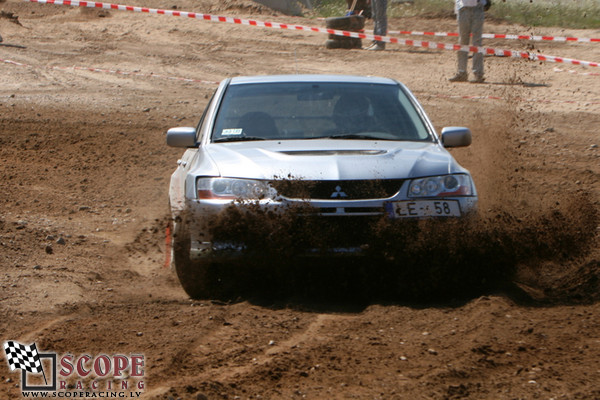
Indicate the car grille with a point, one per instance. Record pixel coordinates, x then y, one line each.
338 190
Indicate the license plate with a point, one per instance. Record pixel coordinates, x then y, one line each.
423 208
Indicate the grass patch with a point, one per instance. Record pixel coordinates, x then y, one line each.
579 14
330 8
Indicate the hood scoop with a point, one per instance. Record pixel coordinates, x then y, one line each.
333 152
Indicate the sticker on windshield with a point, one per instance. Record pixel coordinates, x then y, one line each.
231 132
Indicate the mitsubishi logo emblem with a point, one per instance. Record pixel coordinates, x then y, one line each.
338 193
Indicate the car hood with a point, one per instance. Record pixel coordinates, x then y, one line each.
328 159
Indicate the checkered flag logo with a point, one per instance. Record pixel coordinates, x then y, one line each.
23 357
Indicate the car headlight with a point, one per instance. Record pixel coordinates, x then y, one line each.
439 186
230 188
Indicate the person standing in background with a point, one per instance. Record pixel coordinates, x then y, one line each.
470 16
379 12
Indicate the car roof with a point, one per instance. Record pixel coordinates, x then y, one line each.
311 78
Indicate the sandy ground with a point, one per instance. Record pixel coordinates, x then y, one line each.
83 196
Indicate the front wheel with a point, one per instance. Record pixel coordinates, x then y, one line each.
191 274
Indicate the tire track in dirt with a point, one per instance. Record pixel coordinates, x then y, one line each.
46 325
310 334
227 373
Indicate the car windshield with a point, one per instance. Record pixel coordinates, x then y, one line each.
311 110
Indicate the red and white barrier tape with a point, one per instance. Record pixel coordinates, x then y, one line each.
206 82
389 39
501 36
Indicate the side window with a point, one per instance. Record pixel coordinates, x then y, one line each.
199 126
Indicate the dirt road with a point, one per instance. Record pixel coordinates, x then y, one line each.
83 196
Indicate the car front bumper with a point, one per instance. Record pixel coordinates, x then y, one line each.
344 215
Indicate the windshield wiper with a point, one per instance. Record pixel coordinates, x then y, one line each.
237 139
354 136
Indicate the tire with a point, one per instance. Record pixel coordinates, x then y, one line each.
333 44
192 274
353 43
350 23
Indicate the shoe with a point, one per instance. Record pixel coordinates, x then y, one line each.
459 77
370 46
377 47
478 79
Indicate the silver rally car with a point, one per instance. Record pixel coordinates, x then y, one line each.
338 133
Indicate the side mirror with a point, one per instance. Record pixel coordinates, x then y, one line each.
181 137
455 136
